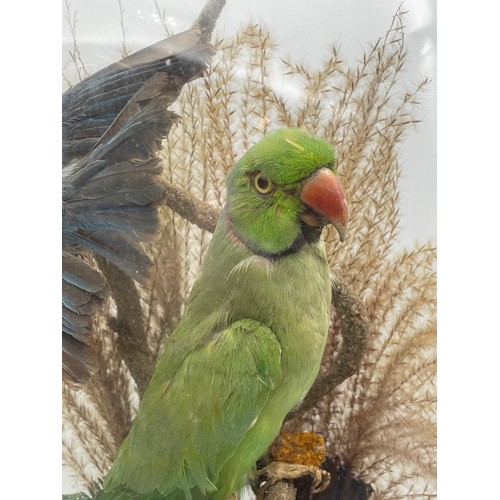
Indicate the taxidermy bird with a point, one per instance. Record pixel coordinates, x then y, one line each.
250 343
113 125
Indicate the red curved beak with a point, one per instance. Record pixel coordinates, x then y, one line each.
325 200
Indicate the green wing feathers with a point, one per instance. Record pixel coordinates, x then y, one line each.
215 397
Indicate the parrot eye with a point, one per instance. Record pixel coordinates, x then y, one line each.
262 185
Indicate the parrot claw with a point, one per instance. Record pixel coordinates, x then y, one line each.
279 471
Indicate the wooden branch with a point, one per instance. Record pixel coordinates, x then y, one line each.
129 323
191 208
290 481
282 490
207 19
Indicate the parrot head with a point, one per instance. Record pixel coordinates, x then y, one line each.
283 191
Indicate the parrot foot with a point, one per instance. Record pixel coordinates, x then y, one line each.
279 471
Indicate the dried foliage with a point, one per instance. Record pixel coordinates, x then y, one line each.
381 421
75 57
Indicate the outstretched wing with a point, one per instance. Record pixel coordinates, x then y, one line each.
92 105
83 290
113 125
190 425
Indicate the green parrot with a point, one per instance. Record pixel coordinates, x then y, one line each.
250 343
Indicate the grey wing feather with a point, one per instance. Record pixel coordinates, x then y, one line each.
113 126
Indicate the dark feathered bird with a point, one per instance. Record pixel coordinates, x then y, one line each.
113 125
